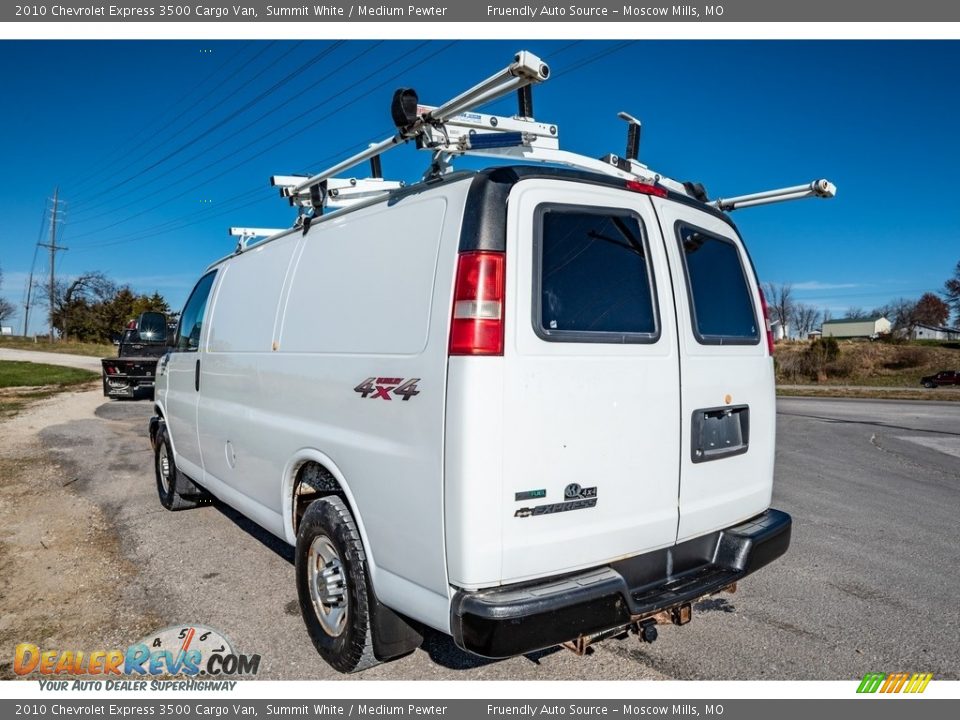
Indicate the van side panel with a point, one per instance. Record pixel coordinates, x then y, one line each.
234 431
360 321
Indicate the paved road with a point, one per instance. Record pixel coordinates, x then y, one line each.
870 583
78 361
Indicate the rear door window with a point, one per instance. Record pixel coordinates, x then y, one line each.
720 299
592 277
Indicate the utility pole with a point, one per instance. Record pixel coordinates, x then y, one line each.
26 310
52 245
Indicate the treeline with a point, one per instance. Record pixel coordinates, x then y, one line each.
93 308
904 313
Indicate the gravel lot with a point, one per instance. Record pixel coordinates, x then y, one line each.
869 584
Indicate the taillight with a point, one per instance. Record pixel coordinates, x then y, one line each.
646 188
766 321
477 325
110 370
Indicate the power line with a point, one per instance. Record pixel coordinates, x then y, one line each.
173 133
28 290
230 116
172 225
583 62
223 140
287 137
216 125
146 131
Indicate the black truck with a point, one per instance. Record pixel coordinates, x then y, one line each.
143 342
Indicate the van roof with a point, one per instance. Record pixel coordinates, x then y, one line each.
484 223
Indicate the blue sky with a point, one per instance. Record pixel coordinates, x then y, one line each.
158 147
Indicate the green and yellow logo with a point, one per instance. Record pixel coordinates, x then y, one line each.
894 682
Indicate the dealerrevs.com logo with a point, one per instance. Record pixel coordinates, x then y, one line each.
894 682
180 650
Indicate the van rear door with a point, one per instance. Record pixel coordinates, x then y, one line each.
728 411
591 380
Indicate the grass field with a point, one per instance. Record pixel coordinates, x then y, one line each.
22 383
877 364
68 346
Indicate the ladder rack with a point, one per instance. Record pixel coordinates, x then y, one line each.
455 129
817 188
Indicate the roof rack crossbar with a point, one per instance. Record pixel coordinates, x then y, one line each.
526 69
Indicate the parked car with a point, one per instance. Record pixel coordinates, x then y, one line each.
944 377
523 406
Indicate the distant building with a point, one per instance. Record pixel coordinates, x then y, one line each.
934 332
6 330
814 335
867 327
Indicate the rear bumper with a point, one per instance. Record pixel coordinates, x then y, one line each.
503 622
126 385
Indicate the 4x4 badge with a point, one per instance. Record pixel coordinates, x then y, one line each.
380 388
573 491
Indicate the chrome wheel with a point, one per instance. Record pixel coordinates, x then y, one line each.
327 582
163 467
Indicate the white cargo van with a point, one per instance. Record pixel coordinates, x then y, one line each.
525 406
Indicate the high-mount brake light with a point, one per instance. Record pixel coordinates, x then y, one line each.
646 188
477 324
766 322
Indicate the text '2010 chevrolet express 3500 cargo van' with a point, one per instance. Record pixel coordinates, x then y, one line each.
525 406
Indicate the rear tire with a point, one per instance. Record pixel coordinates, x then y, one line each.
332 586
176 490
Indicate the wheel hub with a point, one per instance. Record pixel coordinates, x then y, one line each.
327 582
163 466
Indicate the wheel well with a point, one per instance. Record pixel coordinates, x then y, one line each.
313 482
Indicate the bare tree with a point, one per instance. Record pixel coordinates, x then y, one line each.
902 314
805 319
856 313
780 302
7 308
951 291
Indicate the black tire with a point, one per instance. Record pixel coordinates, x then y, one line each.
176 490
338 623
929 385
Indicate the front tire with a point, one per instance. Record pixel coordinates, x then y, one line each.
332 586
176 490
929 385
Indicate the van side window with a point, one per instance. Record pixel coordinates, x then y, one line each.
592 276
720 298
191 319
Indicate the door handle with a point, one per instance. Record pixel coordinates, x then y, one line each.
196 376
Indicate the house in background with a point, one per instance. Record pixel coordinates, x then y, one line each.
867 327
934 332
